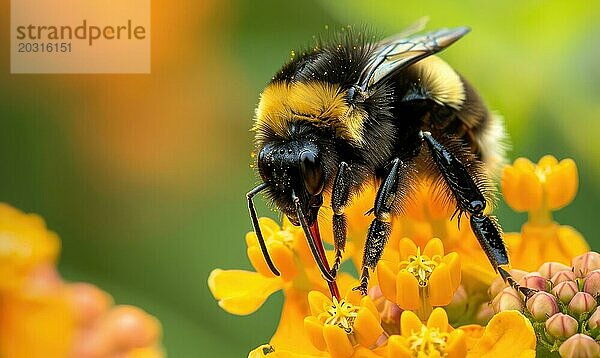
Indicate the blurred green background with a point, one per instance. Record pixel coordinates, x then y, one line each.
144 176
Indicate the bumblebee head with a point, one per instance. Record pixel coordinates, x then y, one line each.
293 170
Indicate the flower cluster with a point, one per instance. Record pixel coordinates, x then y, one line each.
430 293
43 316
564 311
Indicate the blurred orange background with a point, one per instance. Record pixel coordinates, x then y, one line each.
143 176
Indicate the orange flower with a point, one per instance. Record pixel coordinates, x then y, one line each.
43 316
243 292
540 189
338 327
508 334
417 281
26 243
549 185
434 339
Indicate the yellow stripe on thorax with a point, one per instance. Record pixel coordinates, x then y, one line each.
320 103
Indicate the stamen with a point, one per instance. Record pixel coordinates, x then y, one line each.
421 266
342 314
428 341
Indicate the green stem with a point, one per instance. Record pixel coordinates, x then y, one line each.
425 310
541 217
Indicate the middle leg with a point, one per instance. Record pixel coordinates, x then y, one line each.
390 193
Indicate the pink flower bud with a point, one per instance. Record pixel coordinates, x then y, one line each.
518 274
582 302
548 269
585 263
565 291
496 287
564 275
542 305
498 284
591 283
506 300
594 320
561 325
391 313
534 280
579 345
459 304
484 313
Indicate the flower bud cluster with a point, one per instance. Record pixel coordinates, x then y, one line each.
564 311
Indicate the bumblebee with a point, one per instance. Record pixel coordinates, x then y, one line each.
351 112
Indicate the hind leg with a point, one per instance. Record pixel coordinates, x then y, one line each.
470 199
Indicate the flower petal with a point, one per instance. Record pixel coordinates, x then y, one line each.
452 259
406 248
241 292
368 303
283 258
367 327
521 187
407 291
434 247
337 341
572 241
409 323
457 344
291 335
258 261
268 227
270 351
314 331
438 319
398 347
317 301
387 280
440 286
509 334
561 184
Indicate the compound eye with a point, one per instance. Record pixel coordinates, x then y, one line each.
312 172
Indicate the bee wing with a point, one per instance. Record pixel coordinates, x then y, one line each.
412 29
395 54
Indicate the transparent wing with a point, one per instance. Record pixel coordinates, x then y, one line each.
395 54
412 29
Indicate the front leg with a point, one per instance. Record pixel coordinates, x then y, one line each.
470 199
389 195
340 196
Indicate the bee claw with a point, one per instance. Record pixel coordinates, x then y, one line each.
361 289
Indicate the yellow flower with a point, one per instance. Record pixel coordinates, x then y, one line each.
43 316
539 189
549 185
434 339
25 243
267 350
417 280
418 274
37 320
338 327
243 292
508 334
